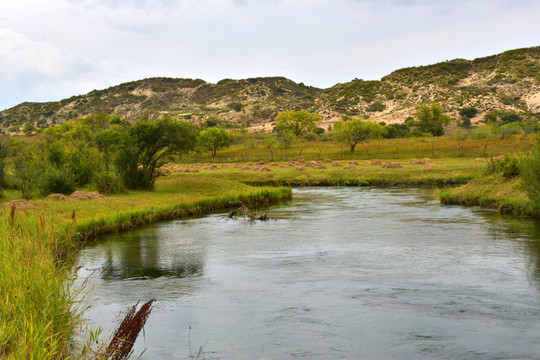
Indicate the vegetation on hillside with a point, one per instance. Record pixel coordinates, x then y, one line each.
504 82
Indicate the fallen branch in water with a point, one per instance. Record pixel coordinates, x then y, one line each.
251 215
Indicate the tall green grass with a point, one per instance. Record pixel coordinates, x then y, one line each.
36 304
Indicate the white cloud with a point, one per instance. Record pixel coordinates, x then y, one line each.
19 55
59 48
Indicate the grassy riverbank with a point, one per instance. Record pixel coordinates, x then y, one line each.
492 192
36 314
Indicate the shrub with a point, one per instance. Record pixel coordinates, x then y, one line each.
108 183
376 106
468 112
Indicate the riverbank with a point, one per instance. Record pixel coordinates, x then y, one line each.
37 316
496 192
35 242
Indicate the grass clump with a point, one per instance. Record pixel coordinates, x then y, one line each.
530 171
36 313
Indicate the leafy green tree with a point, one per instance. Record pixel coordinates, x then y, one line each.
29 129
468 112
145 147
213 139
286 140
509 129
430 119
296 122
355 131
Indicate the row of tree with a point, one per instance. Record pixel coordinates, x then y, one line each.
107 151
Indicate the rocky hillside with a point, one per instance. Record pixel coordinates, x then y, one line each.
508 81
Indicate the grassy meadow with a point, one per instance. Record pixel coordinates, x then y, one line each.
255 148
37 310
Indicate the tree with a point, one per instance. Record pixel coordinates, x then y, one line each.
468 112
355 131
286 140
29 129
296 122
146 145
430 119
213 139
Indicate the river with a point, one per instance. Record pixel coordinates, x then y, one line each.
341 273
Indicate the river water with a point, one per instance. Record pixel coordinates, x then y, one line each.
341 273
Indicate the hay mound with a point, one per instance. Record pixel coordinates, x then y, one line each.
86 195
416 162
352 162
327 161
375 162
162 171
392 165
313 164
319 167
191 169
224 165
350 166
426 160
479 160
19 204
262 162
169 168
274 164
56 197
300 169
431 166
262 169
237 166
336 164
245 168
500 158
211 167
283 166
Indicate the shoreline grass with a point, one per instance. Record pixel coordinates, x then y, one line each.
492 192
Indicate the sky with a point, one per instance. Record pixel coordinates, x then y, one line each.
54 49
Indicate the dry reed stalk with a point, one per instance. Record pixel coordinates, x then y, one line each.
121 345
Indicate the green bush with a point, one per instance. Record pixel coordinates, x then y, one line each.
56 181
108 183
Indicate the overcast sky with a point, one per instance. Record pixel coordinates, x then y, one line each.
53 49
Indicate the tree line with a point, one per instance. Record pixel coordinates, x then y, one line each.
113 154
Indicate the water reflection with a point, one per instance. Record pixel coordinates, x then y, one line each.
151 253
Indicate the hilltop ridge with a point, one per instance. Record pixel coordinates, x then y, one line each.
509 81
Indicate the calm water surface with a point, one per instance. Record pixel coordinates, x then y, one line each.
342 273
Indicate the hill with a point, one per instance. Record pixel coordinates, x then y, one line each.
509 81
